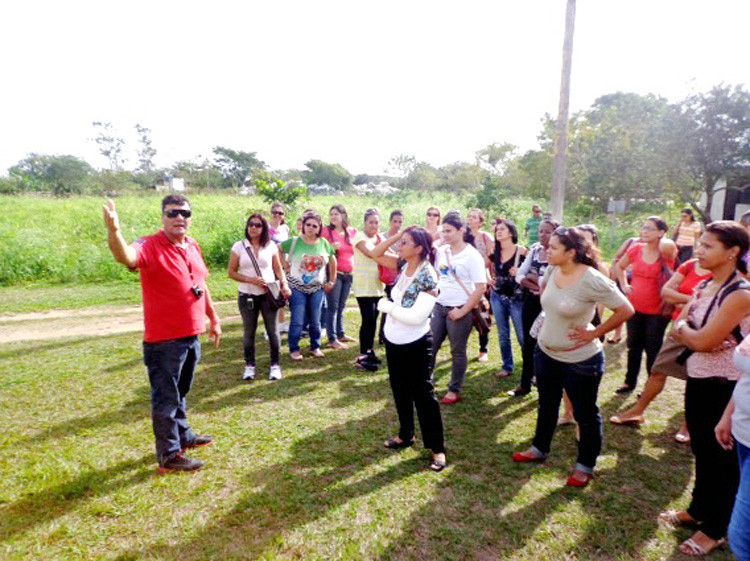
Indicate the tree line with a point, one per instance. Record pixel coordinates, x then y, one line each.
624 146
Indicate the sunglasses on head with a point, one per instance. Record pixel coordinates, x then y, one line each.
175 212
254 224
279 212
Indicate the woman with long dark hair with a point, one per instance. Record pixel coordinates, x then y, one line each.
711 326
462 281
340 235
507 295
408 340
686 234
569 350
647 326
529 276
253 263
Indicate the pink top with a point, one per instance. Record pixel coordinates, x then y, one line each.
717 363
345 251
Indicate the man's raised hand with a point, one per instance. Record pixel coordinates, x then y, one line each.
111 219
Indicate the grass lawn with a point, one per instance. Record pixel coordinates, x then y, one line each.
298 471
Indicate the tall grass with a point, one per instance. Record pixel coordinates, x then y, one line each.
64 240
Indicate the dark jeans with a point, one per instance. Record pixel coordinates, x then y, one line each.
581 382
171 365
645 333
410 374
484 341
250 307
532 307
716 470
458 335
684 252
368 308
381 332
739 526
336 300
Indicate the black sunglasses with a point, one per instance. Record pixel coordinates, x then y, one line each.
279 212
175 212
254 224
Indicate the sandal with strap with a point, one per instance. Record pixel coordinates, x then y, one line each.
436 465
693 549
672 517
394 444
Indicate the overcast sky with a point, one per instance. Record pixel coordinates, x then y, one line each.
343 81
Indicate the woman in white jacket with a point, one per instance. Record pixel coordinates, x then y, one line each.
408 340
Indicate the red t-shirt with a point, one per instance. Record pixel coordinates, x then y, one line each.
168 273
644 294
345 252
689 282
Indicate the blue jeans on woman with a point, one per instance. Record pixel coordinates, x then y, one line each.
304 305
336 306
507 309
739 526
581 382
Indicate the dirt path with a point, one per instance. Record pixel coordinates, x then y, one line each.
86 322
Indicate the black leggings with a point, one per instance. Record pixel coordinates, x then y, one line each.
368 308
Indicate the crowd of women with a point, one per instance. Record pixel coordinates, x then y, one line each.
441 280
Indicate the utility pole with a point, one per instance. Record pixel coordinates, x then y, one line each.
559 172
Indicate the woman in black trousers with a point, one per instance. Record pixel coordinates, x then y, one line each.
408 340
711 325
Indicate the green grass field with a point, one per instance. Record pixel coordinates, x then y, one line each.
298 470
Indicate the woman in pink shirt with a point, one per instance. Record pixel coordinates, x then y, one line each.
340 235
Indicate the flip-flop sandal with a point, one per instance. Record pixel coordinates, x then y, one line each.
691 548
394 444
437 466
672 517
618 420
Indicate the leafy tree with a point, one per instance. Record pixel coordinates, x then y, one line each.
423 177
494 157
460 177
274 190
492 195
530 175
402 165
62 175
237 167
198 175
110 145
716 139
322 173
146 152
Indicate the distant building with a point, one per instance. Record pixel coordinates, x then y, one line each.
731 197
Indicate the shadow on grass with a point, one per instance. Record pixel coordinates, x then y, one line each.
54 502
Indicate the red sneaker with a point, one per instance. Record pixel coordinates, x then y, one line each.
526 457
579 479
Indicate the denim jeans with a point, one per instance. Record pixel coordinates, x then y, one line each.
739 526
304 305
336 305
507 309
458 334
171 365
581 382
250 307
717 472
532 307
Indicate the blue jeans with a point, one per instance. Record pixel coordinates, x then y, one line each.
336 305
305 305
739 526
581 381
171 365
507 309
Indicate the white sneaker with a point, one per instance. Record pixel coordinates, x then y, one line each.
275 372
249 373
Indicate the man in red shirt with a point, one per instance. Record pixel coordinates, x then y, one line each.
176 301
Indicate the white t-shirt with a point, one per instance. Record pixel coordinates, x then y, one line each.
396 331
468 265
265 264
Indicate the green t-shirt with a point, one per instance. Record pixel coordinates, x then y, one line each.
532 226
308 262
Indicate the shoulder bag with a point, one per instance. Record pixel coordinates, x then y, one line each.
480 314
273 290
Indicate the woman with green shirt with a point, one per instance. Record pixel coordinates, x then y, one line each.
309 254
569 353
